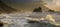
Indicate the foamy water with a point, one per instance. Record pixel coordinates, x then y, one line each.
19 20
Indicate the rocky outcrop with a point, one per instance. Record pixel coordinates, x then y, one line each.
37 9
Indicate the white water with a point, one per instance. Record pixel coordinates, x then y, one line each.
18 20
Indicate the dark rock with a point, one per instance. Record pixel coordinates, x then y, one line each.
37 9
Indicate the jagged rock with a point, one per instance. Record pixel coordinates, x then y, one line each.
37 9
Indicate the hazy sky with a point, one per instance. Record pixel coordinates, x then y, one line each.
19 1
22 3
25 1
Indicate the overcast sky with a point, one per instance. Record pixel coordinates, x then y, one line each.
25 1
21 3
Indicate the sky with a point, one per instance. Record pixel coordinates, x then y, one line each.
24 3
28 3
19 1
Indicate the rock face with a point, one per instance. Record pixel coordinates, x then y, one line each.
37 9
